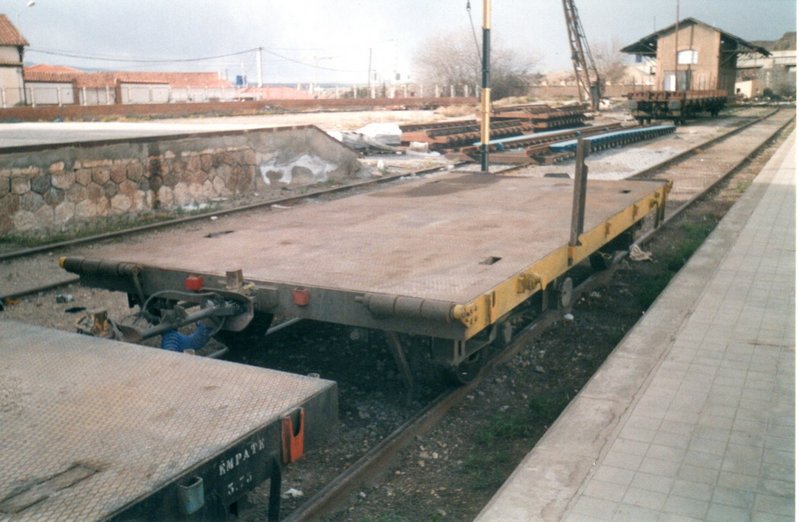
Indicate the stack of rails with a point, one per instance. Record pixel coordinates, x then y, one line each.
534 148
543 117
677 106
614 139
450 135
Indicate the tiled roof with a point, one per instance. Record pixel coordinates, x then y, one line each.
9 34
48 73
277 93
47 68
647 45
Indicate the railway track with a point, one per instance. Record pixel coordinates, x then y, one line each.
687 186
695 174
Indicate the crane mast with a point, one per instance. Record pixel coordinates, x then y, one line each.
589 84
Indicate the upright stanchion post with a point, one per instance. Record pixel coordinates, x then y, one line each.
580 185
485 108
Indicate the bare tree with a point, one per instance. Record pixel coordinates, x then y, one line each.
609 60
453 59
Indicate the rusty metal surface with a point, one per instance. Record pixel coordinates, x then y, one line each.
95 424
425 238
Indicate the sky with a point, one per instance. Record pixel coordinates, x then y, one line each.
332 40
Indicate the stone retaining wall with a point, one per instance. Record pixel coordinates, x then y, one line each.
45 189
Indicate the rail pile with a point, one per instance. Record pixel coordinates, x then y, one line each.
510 121
454 134
535 148
619 138
543 117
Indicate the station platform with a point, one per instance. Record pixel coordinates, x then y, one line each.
92 429
692 417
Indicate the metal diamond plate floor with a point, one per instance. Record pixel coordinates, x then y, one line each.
425 238
135 415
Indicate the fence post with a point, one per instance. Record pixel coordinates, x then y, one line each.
3 96
33 97
451 91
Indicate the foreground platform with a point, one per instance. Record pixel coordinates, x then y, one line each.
93 429
692 417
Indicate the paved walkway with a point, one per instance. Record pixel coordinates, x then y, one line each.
693 415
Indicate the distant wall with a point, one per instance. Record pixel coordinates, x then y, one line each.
44 189
94 112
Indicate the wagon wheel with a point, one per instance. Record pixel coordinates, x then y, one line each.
466 371
251 337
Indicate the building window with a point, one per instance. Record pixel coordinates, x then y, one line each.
679 82
687 57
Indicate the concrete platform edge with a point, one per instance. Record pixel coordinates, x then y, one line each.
567 454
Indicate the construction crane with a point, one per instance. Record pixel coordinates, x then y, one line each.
589 85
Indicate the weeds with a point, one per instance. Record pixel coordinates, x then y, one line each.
674 258
547 407
694 235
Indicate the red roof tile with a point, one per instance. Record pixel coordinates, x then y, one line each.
277 93
9 34
49 73
47 68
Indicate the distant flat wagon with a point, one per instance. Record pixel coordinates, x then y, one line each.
677 106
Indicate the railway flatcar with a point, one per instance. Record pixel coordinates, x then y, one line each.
677 106
95 429
450 257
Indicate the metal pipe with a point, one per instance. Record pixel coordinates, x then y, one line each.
212 311
580 185
485 106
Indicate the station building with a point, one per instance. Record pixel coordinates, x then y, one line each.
692 55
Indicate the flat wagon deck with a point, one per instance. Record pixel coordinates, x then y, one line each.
446 256
95 429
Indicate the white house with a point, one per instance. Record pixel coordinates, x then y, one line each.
12 48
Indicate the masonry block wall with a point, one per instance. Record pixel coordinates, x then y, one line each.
69 187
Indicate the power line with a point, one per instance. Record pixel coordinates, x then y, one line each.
313 66
71 54
107 58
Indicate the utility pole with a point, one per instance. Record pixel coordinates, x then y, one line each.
258 67
485 108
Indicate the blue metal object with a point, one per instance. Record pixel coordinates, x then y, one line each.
177 342
616 138
524 137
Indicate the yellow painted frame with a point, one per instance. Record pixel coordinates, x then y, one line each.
503 298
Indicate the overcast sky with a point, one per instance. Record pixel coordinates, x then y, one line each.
331 39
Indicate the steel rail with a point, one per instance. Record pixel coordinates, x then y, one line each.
375 461
646 237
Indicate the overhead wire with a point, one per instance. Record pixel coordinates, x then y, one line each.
474 31
107 58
